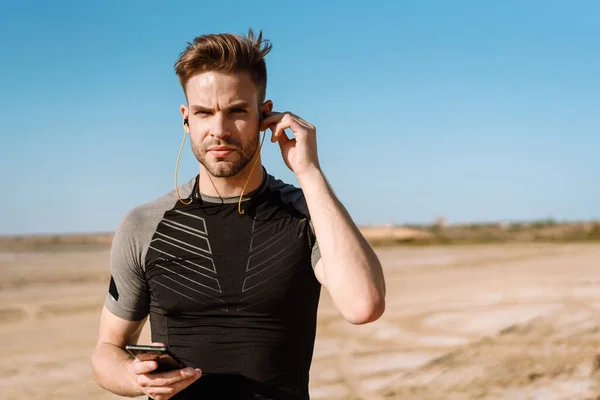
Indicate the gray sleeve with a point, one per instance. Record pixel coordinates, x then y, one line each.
128 296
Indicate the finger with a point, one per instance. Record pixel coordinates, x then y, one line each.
277 130
276 117
306 125
281 121
171 390
290 121
287 122
143 367
285 145
166 392
270 120
168 378
179 386
283 139
160 393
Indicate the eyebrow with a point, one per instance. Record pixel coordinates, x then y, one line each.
238 104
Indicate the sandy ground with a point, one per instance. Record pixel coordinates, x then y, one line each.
462 322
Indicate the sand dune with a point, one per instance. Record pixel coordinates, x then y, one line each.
462 322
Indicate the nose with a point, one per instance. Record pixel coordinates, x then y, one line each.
219 126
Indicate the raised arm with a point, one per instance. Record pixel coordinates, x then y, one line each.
348 268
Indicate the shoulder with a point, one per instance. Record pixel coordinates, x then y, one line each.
293 198
140 222
288 194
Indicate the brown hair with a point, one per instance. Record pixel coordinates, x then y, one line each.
226 53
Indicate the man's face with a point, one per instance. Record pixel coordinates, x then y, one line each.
224 117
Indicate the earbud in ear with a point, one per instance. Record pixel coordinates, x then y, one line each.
185 122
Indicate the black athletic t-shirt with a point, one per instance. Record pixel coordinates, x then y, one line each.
234 295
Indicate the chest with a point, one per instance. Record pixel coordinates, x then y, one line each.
198 263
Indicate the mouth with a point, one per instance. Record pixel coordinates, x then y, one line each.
220 151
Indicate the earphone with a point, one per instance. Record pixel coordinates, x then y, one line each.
185 123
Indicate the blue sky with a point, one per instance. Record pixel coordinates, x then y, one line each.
471 110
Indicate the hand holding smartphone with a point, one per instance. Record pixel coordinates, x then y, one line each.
171 376
166 361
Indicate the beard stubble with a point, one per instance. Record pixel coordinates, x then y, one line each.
223 167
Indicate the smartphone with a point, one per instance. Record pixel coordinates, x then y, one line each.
161 354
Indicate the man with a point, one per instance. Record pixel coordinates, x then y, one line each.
230 274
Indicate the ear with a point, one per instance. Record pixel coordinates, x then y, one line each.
185 116
266 108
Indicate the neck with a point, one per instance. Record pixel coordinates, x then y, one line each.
232 186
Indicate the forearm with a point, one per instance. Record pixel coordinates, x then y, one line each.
112 370
352 272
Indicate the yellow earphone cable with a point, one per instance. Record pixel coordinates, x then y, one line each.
177 167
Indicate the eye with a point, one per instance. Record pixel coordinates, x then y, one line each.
238 110
201 112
